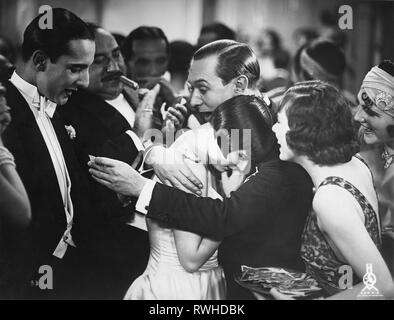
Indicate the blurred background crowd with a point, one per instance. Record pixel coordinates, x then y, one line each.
275 29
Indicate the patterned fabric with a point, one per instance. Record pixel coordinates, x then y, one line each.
320 260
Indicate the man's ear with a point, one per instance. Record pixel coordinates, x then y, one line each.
241 84
40 60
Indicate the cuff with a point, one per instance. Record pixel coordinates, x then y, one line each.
136 140
143 202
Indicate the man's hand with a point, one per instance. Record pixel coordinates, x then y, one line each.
172 171
117 176
144 112
176 115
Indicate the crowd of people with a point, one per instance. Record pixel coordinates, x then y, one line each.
135 168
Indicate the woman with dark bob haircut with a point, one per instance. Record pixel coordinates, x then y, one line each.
251 119
342 235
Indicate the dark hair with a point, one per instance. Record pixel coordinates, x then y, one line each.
181 55
120 38
248 112
234 59
93 27
221 30
326 54
143 33
388 66
54 41
321 123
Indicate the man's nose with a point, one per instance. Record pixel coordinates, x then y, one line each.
195 99
112 65
83 80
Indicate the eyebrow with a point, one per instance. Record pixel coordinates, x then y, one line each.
201 81
80 65
99 54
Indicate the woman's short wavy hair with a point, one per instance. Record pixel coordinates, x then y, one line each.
321 123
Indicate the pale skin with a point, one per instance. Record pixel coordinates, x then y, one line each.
193 249
207 92
342 220
14 202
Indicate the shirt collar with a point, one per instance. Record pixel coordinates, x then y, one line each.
31 94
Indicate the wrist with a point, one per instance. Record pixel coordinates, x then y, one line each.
140 186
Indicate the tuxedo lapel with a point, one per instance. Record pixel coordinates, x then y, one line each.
108 116
33 160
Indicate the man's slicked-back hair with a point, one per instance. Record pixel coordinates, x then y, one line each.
54 42
143 33
234 59
93 27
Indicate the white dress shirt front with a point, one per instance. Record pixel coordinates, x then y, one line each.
43 110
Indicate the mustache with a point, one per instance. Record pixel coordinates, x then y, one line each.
114 75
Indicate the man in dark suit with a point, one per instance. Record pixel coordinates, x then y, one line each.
54 65
103 116
261 223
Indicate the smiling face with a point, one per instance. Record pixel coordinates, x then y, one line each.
374 122
107 67
280 128
60 79
207 89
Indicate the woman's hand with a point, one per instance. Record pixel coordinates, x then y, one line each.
280 296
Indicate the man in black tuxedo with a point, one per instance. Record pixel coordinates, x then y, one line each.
104 116
54 65
262 222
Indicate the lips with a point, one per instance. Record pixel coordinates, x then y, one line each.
70 91
367 129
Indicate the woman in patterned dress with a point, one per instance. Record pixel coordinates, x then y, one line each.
341 239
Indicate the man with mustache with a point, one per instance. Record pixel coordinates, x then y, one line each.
110 120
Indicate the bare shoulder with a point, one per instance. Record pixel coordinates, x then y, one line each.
335 207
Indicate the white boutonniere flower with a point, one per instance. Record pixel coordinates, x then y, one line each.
71 132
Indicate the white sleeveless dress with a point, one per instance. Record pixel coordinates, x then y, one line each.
164 277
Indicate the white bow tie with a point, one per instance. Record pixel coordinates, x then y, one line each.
45 105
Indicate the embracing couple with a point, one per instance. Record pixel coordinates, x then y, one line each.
259 224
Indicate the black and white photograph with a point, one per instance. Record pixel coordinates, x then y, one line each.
203 152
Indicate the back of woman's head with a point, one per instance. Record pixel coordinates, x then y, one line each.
320 122
247 112
320 60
